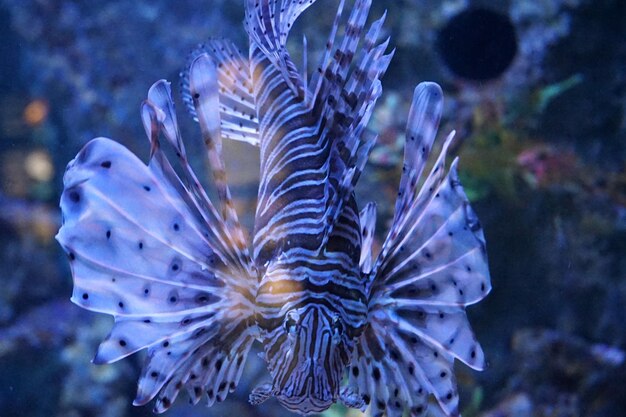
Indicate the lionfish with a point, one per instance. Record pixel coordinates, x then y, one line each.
147 245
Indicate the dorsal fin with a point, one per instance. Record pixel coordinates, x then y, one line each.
318 75
268 23
345 101
238 118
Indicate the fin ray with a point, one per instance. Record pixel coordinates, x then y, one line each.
367 220
433 264
236 97
151 250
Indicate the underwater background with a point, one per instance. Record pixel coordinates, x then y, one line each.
536 91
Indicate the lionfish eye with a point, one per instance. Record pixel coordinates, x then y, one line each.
291 323
338 329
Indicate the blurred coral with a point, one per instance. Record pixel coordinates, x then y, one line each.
542 150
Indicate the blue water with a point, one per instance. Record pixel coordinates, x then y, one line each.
542 146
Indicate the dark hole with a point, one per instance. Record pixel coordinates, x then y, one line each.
106 164
478 44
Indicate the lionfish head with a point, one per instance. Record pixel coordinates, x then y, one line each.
311 352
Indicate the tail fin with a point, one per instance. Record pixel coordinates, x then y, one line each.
268 23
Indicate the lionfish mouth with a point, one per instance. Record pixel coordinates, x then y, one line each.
305 404
311 393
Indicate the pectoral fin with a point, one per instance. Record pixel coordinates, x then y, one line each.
261 393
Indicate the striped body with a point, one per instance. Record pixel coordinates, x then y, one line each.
322 289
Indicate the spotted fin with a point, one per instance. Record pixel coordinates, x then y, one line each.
367 220
203 85
149 248
238 118
268 23
344 94
433 264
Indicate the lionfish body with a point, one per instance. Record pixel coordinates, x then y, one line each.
147 245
